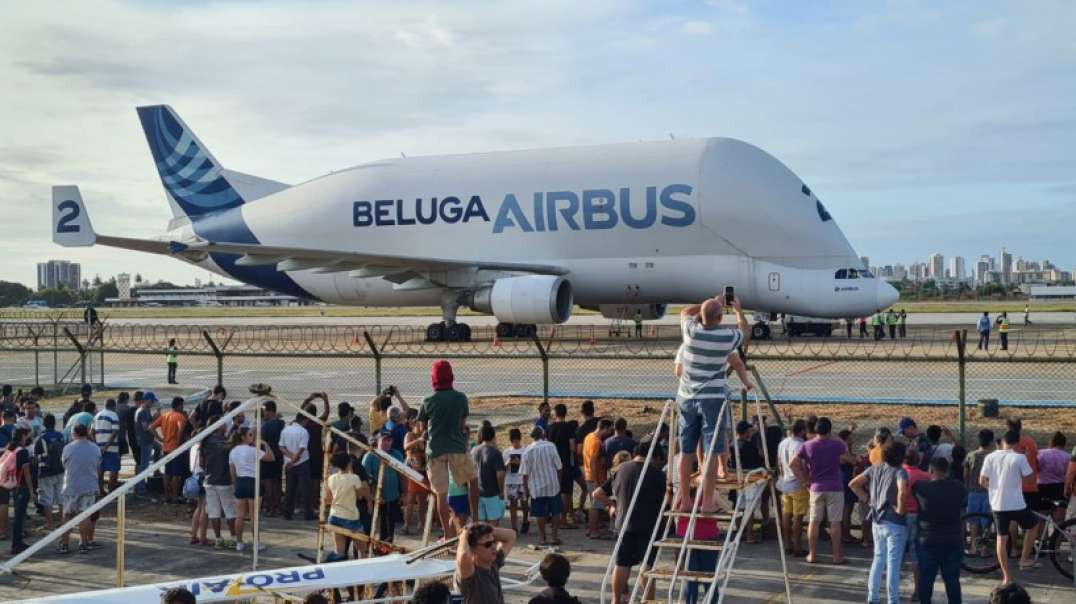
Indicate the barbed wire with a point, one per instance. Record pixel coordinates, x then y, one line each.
658 341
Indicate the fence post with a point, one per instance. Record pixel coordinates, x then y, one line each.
961 337
545 368
55 352
217 353
377 361
81 354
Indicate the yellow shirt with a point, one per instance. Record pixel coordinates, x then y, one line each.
342 486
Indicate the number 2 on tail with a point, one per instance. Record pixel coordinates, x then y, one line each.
64 225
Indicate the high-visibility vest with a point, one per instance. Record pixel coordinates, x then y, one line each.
876 320
1003 325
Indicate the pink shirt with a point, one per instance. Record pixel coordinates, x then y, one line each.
1053 463
911 505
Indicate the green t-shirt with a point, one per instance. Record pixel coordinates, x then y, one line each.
391 485
444 412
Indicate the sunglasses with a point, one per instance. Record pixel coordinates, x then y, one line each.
488 544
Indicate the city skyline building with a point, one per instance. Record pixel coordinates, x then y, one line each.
936 266
54 273
957 269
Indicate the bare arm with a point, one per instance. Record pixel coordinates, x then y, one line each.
464 564
741 370
902 497
741 322
859 486
506 537
399 399
799 468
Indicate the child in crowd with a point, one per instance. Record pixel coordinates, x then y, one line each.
555 570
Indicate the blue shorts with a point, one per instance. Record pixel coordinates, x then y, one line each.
546 507
979 503
355 526
698 418
460 505
490 508
110 462
244 487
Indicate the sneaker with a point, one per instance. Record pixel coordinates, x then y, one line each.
93 545
63 548
82 549
218 544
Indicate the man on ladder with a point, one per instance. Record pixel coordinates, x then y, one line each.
707 347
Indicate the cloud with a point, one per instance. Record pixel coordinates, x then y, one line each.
880 108
697 28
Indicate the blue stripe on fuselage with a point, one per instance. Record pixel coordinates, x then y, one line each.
228 226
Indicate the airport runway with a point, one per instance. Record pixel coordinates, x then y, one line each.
889 381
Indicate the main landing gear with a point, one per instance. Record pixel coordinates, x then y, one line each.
448 332
516 330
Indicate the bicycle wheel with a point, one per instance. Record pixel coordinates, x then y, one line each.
980 543
1063 547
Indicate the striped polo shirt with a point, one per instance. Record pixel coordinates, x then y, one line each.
104 425
705 354
540 464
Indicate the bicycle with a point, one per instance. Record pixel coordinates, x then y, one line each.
1058 540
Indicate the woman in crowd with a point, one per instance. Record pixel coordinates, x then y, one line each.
887 489
415 495
242 460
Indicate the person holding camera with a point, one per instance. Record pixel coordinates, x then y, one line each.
379 407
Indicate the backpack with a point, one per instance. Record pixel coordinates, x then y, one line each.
53 461
9 469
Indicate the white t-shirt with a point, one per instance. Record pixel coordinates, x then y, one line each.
294 438
243 457
1005 470
512 475
786 452
196 450
944 450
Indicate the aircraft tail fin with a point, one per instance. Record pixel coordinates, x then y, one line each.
70 223
196 183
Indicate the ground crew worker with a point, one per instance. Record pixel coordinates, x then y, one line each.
1027 315
638 323
891 321
173 360
862 327
876 322
984 331
848 327
903 323
1003 330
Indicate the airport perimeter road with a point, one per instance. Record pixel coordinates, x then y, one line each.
786 380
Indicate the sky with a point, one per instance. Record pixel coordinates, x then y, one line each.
924 127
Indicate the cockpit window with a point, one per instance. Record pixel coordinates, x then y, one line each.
805 190
822 213
841 274
866 274
853 273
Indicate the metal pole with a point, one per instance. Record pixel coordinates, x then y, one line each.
961 347
217 353
377 361
326 437
255 515
121 521
55 353
545 368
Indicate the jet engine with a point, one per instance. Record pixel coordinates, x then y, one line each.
627 311
530 299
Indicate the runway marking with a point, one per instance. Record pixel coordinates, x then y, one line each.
811 368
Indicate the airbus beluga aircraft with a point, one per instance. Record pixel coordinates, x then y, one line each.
521 235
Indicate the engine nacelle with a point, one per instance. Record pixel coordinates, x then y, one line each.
528 299
627 312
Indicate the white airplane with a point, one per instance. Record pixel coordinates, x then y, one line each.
521 235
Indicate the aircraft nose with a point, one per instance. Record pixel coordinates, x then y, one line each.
887 294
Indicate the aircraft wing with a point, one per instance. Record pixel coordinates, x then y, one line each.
71 227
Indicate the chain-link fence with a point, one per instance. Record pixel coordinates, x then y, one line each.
938 366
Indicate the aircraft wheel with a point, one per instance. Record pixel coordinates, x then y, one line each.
519 330
758 332
454 333
435 332
504 330
465 332
532 330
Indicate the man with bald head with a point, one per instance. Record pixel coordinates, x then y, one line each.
707 348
